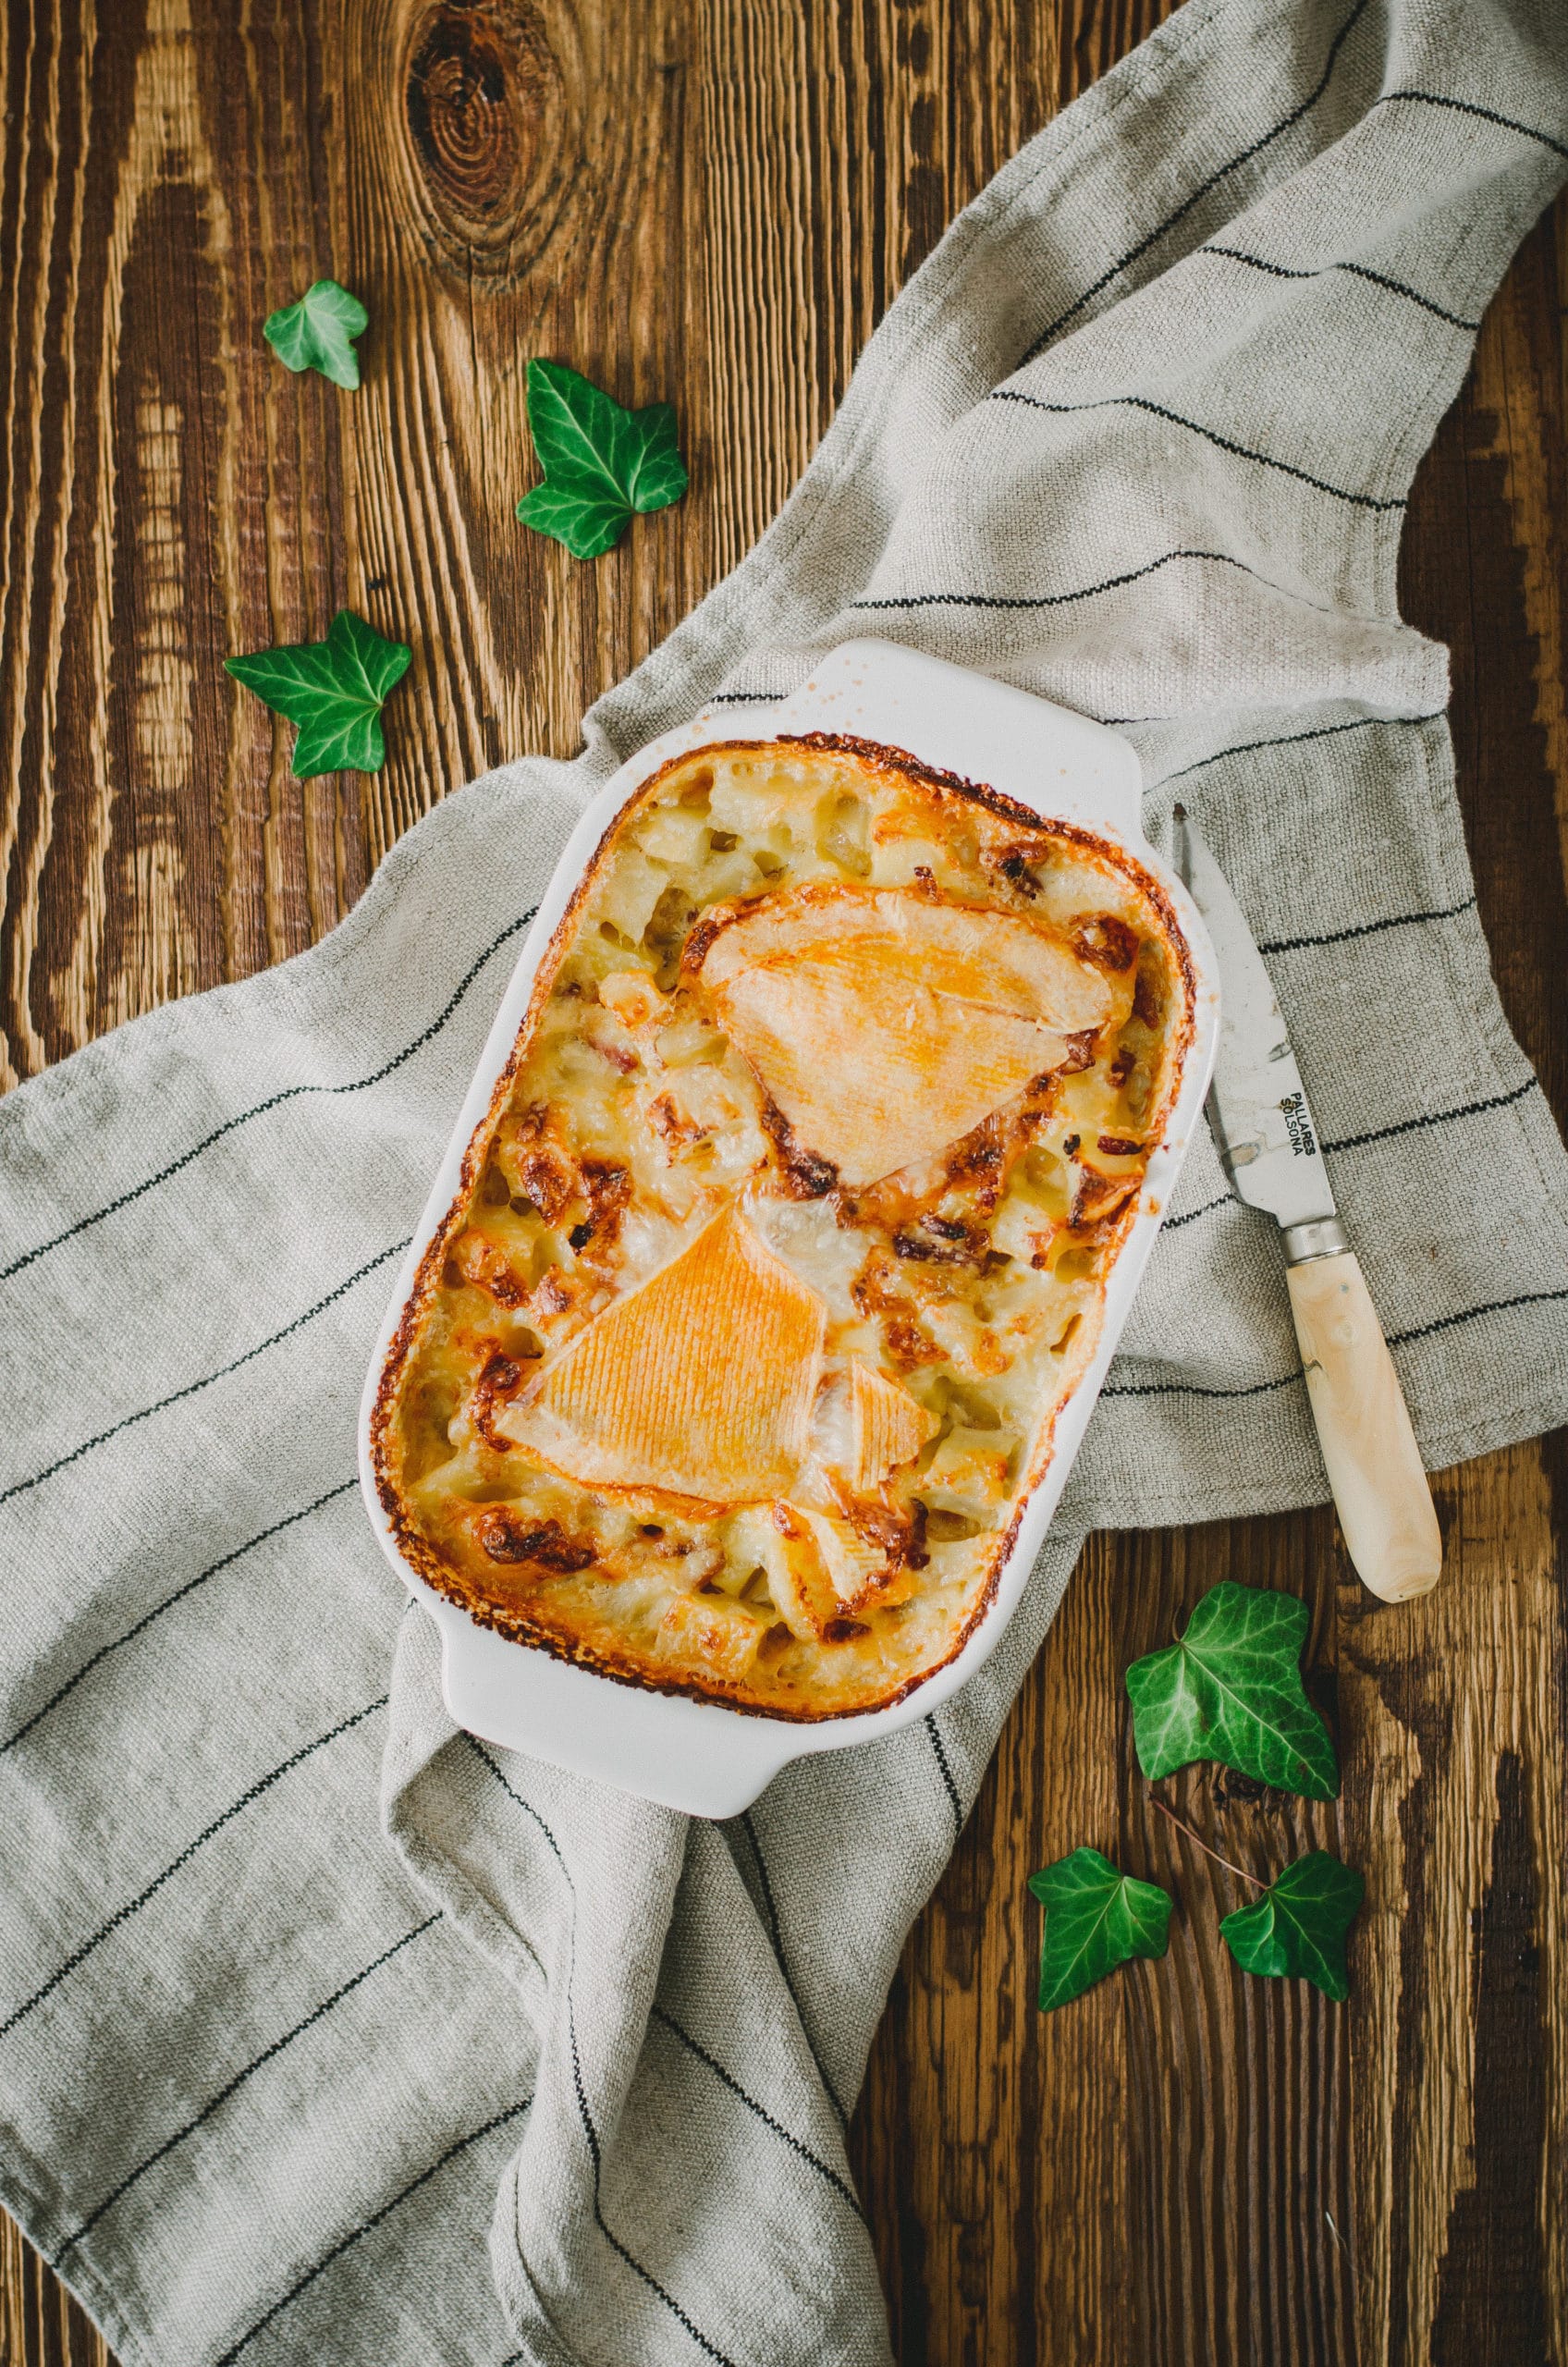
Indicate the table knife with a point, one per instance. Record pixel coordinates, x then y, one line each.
1269 1148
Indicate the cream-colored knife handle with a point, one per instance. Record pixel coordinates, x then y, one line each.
1374 1464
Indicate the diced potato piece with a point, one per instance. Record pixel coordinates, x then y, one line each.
710 1628
751 804
1020 1226
705 1097
972 1466
776 1537
700 1114
728 876
631 996
843 831
901 853
483 1262
970 1346
686 1040
629 892
673 835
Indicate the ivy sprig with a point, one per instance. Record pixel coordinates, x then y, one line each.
601 462
1096 1919
1297 1929
318 332
334 690
1227 1690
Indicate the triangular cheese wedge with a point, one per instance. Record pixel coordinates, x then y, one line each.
872 1072
699 1382
886 1428
886 1024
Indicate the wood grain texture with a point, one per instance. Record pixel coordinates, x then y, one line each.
712 204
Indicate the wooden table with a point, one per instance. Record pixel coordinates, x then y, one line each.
714 204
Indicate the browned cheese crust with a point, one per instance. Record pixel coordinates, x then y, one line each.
735 1359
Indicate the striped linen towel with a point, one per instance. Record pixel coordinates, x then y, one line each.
326 2031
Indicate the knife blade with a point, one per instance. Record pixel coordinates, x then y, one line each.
1258 1105
1269 1146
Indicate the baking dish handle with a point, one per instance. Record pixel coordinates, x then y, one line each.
687 1755
1065 766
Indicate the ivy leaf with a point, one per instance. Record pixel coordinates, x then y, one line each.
601 461
1096 1919
315 334
1230 1689
334 690
1297 1929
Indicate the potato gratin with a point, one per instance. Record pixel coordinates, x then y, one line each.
732 1364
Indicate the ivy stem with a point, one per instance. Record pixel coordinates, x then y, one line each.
1183 1826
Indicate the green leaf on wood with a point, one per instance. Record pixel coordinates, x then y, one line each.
315 333
1231 1690
1297 1929
334 690
1096 1919
601 461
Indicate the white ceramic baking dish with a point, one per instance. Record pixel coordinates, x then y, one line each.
697 1756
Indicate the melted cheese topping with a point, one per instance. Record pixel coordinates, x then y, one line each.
699 1382
786 1237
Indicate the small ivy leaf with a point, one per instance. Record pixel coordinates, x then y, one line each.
1231 1690
334 690
315 334
1297 1929
1096 1919
601 462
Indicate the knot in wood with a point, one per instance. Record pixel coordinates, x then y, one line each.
484 105
459 111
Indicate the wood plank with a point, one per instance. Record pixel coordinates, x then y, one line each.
714 206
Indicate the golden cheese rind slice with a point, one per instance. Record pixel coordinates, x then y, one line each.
886 1024
871 1072
888 1428
699 1382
